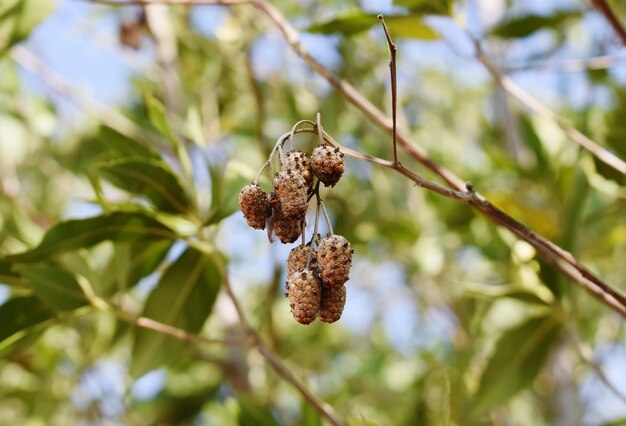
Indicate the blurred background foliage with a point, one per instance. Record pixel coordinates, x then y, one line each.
449 320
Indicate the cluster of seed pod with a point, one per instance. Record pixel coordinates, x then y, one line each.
315 278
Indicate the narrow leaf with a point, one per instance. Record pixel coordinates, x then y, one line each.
529 24
74 234
253 413
152 179
518 356
403 26
158 118
8 276
184 298
19 17
532 139
54 285
439 7
226 190
19 316
410 27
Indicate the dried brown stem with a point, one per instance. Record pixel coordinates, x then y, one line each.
393 50
611 17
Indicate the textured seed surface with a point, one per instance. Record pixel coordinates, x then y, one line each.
327 164
304 292
334 257
286 229
299 162
291 191
298 258
254 206
332 303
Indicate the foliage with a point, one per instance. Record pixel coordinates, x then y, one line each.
449 319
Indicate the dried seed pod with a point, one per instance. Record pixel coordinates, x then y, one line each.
254 206
291 191
286 229
298 258
332 303
327 164
334 257
299 162
304 292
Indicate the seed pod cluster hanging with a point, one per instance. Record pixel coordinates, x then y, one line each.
318 270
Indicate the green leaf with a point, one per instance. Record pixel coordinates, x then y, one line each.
158 118
527 25
225 187
404 26
131 262
8 276
152 179
310 417
19 17
184 299
74 234
517 358
410 26
438 7
532 139
54 285
252 413
20 316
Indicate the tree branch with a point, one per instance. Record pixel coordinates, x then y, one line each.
277 365
532 103
560 259
610 16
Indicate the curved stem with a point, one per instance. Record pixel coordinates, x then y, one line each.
293 130
330 226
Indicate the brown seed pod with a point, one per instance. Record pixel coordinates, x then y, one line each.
327 164
304 292
299 162
254 206
291 190
332 303
334 257
286 229
298 258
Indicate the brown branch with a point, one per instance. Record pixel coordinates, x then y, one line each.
560 259
610 16
277 365
393 50
532 103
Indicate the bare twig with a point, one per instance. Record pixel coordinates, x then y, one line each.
277 365
521 95
610 16
585 353
393 50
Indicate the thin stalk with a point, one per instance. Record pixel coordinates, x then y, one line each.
330 226
393 50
